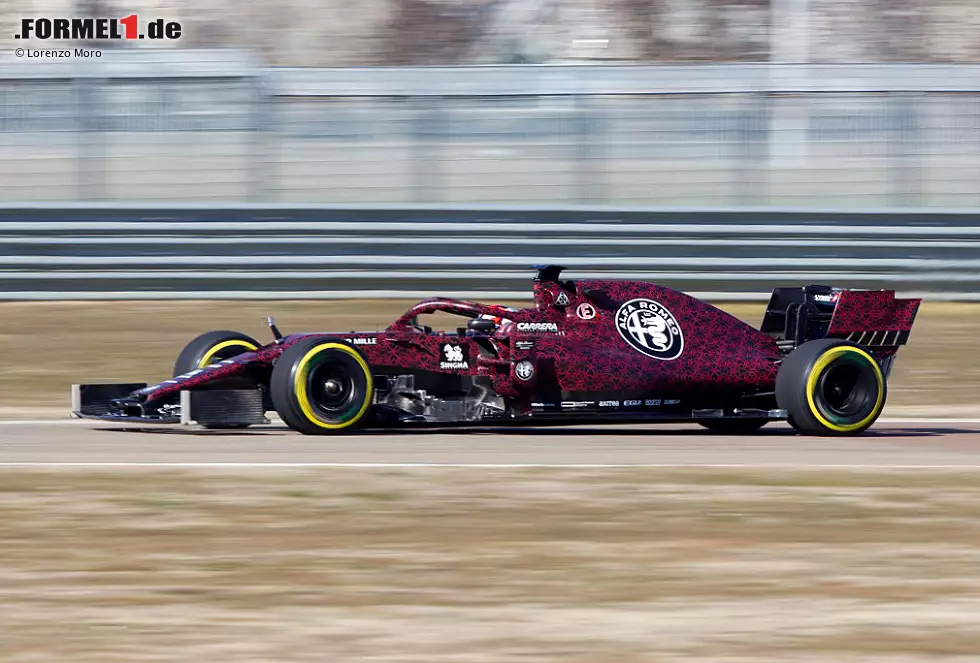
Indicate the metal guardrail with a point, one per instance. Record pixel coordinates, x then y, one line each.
622 80
260 251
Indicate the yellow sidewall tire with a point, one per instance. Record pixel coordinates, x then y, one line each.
211 347
239 344
812 381
302 373
295 404
798 386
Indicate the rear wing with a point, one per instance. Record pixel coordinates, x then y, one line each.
872 318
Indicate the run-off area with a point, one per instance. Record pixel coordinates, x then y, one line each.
481 564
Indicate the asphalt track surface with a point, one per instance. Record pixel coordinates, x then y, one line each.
891 443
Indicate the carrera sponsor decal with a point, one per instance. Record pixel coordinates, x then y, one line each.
550 327
586 311
453 358
372 340
650 329
524 370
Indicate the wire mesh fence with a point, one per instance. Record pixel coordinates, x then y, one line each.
705 136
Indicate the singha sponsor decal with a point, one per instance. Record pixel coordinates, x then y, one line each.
453 358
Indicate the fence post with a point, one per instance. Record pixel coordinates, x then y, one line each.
904 163
589 151
261 130
751 178
426 137
90 110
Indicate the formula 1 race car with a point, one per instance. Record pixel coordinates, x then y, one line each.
599 351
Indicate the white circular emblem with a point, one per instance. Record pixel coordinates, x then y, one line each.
524 369
585 311
650 329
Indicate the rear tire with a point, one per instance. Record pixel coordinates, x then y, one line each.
831 387
211 347
322 386
733 426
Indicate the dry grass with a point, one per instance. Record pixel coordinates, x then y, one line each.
487 565
55 344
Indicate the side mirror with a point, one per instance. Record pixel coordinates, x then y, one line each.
272 326
481 326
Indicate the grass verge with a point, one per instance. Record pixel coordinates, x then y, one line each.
55 344
488 565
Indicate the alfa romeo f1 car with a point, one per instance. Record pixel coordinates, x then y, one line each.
598 351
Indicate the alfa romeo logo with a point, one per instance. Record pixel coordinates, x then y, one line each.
650 329
524 370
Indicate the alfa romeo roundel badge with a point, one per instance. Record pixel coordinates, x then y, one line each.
650 329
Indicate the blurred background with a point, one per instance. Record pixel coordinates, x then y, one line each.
708 103
804 139
286 152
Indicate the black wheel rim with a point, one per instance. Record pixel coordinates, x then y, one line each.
333 389
847 390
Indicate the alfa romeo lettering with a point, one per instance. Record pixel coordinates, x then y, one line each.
650 329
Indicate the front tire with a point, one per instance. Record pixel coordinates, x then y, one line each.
831 387
209 348
321 386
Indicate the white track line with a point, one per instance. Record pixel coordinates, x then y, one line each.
42 422
483 466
